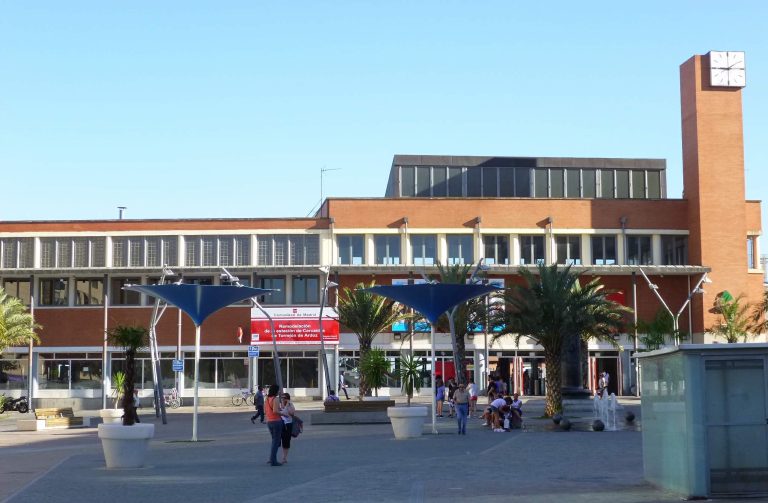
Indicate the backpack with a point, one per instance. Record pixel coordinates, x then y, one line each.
297 426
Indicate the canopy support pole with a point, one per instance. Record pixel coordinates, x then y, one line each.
197 381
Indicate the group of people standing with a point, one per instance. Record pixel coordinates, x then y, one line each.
279 412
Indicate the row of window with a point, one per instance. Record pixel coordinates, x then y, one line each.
66 291
606 183
496 249
157 251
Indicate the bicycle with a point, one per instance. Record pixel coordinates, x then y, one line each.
172 399
245 396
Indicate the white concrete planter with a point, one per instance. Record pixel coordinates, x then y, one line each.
407 422
125 446
111 416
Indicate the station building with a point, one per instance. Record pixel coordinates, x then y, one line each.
606 217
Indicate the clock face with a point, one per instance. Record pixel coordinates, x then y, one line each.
727 69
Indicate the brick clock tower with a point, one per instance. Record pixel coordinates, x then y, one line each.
719 218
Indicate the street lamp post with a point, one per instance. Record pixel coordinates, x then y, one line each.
328 284
675 316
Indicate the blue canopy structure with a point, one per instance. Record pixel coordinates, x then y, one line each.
433 299
199 302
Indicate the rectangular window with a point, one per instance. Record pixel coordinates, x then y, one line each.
589 183
638 184
18 288
606 184
455 184
154 252
507 182
423 182
424 249
119 252
17 253
568 249
226 251
751 262
192 247
674 250
440 182
120 297
654 185
281 250
556 183
136 252
63 253
387 249
80 252
350 249
496 249
604 250
622 184
407 181
53 292
490 182
264 250
540 183
572 185
272 283
474 182
522 182
242 250
639 250
305 290
460 249
208 248
304 249
532 250
89 292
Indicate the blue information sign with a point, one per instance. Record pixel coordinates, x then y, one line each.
177 365
253 351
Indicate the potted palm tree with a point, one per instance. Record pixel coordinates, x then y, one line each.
114 415
408 422
125 445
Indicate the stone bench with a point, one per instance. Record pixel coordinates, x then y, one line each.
358 406
48 418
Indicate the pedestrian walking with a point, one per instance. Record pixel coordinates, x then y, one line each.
472 390
439 396
343 385
461 401
274 423
286 411
259 404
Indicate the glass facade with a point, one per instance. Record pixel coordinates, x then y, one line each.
387 249
496 250
568 249
460 249
532 250
639 250
423 249
604 250
351 249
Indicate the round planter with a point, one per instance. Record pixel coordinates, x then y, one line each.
125 446
407 422
111 416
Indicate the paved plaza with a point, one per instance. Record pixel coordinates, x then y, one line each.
329 463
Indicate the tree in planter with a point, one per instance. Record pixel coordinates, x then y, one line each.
551 310
16 322
656 332
734 323
409 373
119 380
130 339
367 315
374 368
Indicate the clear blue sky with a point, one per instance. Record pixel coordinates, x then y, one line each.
230 109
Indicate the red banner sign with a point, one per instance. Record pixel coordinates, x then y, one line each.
295 331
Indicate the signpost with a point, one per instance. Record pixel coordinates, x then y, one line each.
253 351
177 365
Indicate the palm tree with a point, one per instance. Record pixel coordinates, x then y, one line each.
17 327
466 317
655 332
367 315
131 339
555 311
734 323
759 319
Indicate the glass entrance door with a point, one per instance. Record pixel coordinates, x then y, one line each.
737 425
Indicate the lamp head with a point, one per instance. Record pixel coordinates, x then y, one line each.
331 284
706 279
653 286
324 269
167 271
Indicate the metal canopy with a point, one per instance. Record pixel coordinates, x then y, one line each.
433 299
199 301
